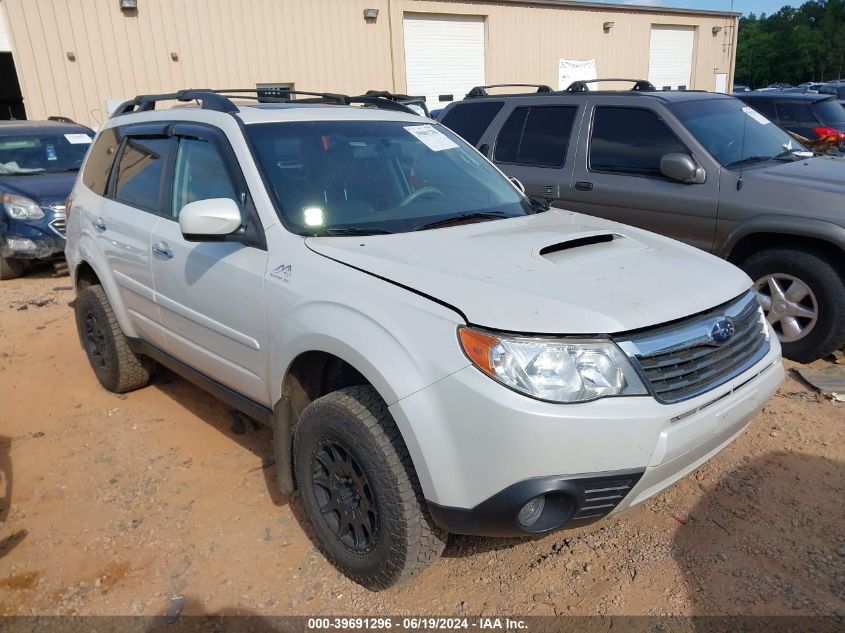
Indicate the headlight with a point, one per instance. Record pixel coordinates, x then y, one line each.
553 369
20 208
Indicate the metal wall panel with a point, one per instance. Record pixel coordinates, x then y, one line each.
316 44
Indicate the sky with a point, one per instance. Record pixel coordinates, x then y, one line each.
740 6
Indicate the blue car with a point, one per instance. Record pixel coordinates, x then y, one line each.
39 161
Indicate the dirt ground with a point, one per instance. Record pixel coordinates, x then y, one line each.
114 504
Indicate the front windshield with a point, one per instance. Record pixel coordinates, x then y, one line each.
42 153
733 132
331 177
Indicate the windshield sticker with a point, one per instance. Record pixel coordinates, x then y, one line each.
78 139
755 115
433 139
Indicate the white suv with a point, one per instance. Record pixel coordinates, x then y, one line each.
435 352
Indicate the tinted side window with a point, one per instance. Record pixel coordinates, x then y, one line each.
471 119
507 143
139 175
546 136
200 174
766 108
100 160
537 136
795 113
630 141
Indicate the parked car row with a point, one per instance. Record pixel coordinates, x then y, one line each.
434 350
700 167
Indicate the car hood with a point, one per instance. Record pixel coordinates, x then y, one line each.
812 187
555 272
42 188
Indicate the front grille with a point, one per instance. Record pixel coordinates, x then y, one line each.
683 360
602 494
59 222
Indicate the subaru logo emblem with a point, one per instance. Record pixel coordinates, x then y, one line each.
723 330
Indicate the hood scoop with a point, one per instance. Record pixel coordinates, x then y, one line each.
584 249
577 243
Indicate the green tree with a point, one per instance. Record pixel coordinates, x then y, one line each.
792 45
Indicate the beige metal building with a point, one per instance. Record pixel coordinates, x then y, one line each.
72 56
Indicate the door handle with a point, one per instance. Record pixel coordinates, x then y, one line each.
583 185
161 249
99 224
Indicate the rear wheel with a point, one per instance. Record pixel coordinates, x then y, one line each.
11 268
803 297
359 489
117 367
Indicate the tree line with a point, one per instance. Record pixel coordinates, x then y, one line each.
792 45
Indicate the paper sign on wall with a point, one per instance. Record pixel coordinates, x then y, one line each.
432 138
571 70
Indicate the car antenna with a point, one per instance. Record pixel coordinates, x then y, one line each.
742 146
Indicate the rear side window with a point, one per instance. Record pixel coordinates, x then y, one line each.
536 136
99 163
470 120
766 108
630 141
140 173
796 113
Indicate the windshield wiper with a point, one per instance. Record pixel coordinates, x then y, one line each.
749 160
351 230
476 215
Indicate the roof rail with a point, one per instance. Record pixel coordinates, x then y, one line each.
209 99
219 100
393 96
481 91
640 85
60 119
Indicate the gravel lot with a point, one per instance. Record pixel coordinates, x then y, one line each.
114 504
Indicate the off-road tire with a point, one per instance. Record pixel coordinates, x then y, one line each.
406 539
117 367
11 268
825 281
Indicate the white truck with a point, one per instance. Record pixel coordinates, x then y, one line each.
435 351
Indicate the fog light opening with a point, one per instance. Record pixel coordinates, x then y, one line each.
531 511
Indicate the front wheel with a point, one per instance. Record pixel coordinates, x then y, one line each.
803 297
359 489
11 268
117 367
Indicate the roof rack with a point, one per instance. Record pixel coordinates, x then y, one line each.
393 96
481 91
220 101
640 85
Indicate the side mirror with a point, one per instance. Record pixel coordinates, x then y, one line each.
517 184
682 167
212 218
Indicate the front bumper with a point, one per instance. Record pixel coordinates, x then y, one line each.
31 246
482 451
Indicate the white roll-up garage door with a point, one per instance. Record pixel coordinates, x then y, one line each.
5 43
670 56
444 55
